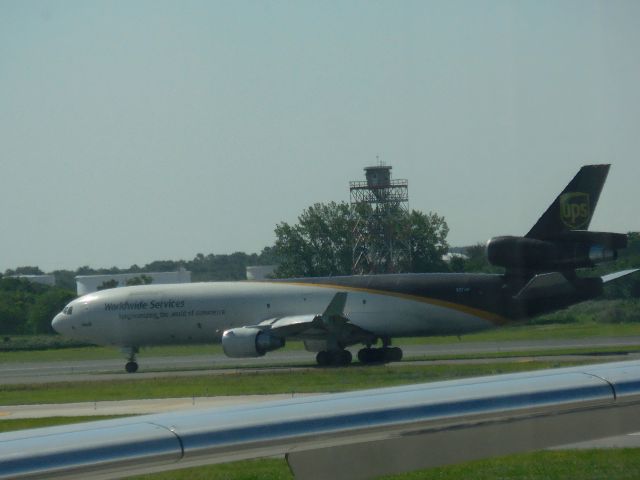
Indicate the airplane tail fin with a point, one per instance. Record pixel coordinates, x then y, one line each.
560 240
574 207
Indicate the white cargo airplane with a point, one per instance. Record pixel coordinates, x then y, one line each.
332 313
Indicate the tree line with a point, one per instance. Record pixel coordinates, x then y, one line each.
319 244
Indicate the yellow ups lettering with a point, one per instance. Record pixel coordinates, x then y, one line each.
574 209
575 212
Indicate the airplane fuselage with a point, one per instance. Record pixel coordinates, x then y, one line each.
387 306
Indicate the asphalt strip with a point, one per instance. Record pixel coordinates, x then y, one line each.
134 407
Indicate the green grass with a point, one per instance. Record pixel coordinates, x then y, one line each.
105 353
610 464
261 469
36 342
547 352
13 424
78 353
238 383
619 464
524 332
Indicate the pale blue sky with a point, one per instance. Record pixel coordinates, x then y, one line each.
132 131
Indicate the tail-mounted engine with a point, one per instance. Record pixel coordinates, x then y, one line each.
565 251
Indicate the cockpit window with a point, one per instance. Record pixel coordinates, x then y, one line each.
67 310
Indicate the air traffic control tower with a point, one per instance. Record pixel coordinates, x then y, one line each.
379 205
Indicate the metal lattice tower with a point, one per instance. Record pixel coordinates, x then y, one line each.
378 206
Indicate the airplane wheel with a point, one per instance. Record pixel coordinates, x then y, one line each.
371 355
131 367
393 354
344 357
323 358
379 355
365 355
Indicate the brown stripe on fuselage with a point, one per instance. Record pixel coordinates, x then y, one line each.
491 317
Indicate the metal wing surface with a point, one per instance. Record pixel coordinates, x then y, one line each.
360 434
332 322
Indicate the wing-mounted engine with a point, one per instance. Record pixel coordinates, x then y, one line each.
562 252
249 342
327 333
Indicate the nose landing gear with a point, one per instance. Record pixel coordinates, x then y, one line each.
131 366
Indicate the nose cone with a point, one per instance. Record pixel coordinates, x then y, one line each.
59 324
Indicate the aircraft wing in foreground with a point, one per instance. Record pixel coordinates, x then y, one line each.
361 434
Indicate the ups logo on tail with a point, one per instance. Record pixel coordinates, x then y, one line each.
574 209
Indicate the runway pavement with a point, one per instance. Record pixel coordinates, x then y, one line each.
135 407
631 440
152 367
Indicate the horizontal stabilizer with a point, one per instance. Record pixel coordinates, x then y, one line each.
545 283
616 275
615 241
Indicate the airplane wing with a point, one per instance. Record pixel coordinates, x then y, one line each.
332 322
330 329
360 434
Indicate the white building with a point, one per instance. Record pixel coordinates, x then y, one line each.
260 272
447 257
90 283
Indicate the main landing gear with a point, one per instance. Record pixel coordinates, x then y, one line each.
131 366
368 355
333 357
380 355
